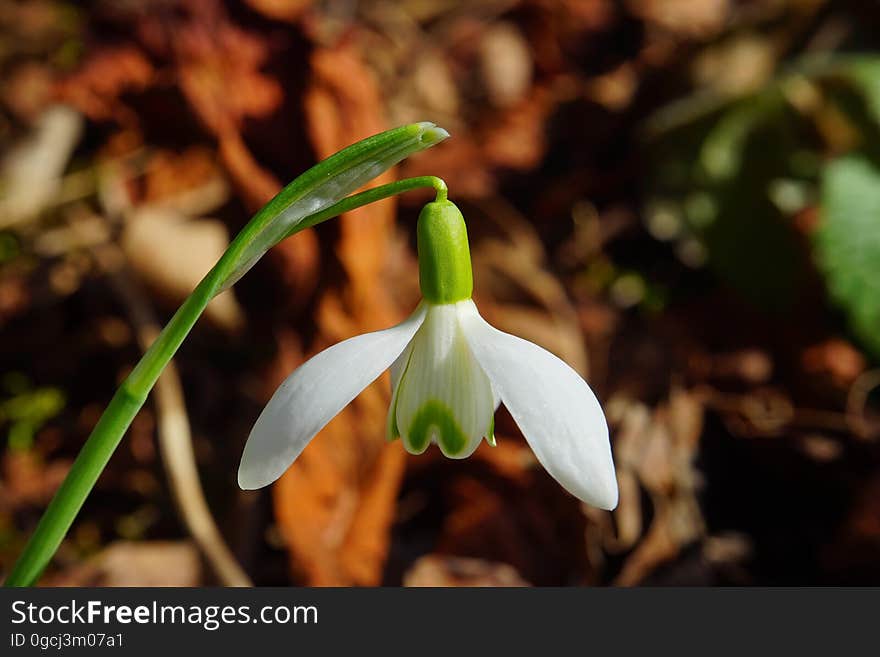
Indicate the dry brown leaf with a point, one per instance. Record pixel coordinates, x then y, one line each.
615 89
515 138
654 450
30 173
298 257
172 253
512 459
632 421
835 358
15 296
737 66
256 185
511 270
859 541
461 163
671 529
27 479
28 90
506 64
171 174
282 10
582 14
97 85
702 19
434 85
533 526
334 507
660 451
512 138
219 69
125 563
438 570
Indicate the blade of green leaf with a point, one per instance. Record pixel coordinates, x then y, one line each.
323 185
847 243
864 73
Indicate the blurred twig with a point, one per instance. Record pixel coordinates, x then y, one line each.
178 458
175 438
175 443
856 402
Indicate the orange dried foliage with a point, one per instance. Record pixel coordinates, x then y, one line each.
525 520
219 71
255 184
170 174
835 358
282 10
336 506
28 90
510 138
95 88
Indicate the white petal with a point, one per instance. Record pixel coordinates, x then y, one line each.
557 412
315 392
397 369
398 365
443 395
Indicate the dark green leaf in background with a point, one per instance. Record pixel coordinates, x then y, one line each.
848 243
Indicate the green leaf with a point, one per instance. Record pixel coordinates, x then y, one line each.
720 174
27 412
847 243
324 184
864 73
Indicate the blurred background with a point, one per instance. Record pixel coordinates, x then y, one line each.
681 198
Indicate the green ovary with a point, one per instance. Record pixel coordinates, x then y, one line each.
435 416
445 274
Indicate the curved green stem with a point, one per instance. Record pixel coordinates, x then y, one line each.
132 394
376 194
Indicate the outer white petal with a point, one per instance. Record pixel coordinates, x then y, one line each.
397 369
315 392
398 365
557 412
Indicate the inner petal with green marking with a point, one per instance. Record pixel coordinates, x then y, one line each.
435 423
441 394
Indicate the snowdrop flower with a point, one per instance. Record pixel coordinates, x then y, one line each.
449 372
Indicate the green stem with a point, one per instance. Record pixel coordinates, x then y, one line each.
376 194
132 394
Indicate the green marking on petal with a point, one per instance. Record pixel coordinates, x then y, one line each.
490 434
392 433
435 416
